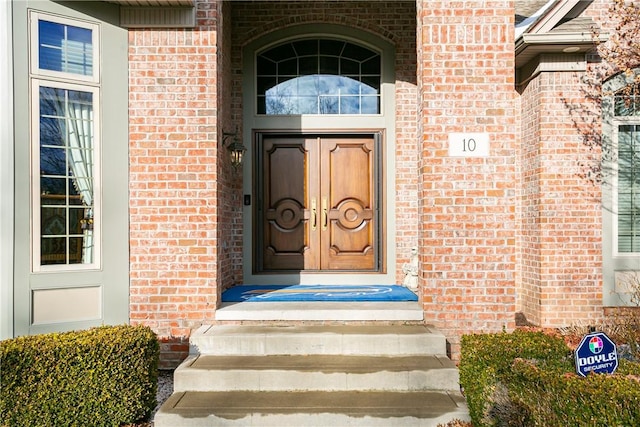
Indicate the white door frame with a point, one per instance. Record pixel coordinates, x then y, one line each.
303 123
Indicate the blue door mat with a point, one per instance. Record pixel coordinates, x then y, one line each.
343 293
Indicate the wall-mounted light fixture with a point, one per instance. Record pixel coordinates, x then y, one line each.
235 147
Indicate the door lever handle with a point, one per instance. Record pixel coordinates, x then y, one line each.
314 213
325 214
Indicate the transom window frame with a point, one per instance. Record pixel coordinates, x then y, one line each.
34 60
73 82
627 101
318 38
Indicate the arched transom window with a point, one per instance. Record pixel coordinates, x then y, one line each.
627 101
318 76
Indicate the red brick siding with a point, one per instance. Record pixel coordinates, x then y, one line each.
230 227
185 90
563 252
519 221
468 206
529 288
174 174
394 21
562 215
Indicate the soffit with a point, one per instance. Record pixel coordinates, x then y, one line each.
156 13
154 3
558 27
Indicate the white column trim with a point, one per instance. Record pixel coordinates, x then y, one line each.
6 172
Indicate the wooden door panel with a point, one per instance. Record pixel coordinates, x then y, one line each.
289 243
347 185
316 203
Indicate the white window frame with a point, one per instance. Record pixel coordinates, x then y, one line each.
35 69
315 36
35 174
616 123
67 81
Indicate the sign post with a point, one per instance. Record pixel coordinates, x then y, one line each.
596 353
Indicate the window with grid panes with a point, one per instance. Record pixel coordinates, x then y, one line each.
65 91
318 76
627 173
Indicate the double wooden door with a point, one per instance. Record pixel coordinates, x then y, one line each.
318 202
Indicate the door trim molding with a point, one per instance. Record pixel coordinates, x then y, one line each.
377 179
384 122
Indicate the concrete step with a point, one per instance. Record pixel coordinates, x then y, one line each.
288 408
366 340
316 373
320 311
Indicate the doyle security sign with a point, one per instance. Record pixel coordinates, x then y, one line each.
596 353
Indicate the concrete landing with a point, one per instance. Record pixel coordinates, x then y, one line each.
379 340
321 311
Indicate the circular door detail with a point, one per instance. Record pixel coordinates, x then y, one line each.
352 214
288 214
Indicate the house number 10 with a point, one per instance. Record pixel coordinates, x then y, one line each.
468 144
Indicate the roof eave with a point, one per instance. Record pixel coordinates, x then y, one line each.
562 38
555 43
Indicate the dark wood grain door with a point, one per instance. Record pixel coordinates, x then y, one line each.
287 215
347 238
317 203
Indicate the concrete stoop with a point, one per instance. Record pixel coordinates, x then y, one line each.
373 375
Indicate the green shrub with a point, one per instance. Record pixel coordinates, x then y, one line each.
486 364
529 379
556 398
104 376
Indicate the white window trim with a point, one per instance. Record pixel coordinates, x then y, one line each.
68 81
35 69
35 177
7 234
319 35
617 122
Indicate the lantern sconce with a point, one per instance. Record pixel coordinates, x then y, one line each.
235 147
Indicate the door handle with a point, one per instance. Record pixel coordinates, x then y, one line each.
314 213
325 214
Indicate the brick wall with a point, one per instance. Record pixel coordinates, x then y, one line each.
394 21
467 205
517 219
174 179
230 227
185 209
562 211
562 261
529 287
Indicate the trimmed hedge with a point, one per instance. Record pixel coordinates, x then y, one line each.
105 376
528 379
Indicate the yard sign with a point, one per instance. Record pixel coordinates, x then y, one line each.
596 353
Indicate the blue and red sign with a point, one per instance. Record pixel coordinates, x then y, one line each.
596 353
